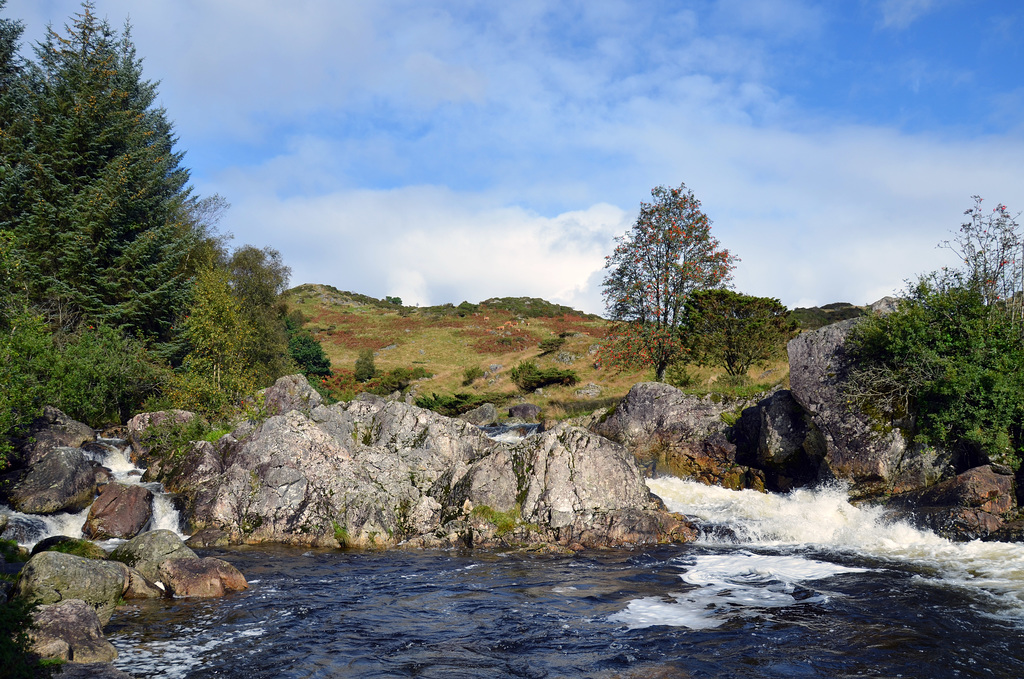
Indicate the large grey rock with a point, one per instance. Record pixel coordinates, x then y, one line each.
49 577
482 416
292 392
71 631
52 430
527 412
378 473
121 511
871 454
62 480
147 551
776 436
679 434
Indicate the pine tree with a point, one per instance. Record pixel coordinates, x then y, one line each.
103 228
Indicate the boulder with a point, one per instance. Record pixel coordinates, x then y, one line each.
70 630
484 415
49 577
207 577
147 551
292 392
52 430
62 480
777 437
969 506
674 433
873 455
527 412
121 511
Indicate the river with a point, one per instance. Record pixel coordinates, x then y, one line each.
800 585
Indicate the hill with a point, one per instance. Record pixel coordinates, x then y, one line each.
451 342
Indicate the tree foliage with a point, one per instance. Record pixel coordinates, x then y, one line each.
365 368
667 256
735 331
949 363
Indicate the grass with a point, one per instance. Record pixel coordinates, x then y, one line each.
449 340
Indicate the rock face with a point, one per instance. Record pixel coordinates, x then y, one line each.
62 480
777 437
121 511
673 433
291 393
873 456
49 577
71 631
969 506
375 472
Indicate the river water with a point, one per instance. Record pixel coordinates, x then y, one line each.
801 585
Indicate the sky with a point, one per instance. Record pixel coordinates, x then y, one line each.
448 151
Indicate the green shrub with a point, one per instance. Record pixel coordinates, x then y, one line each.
551 344
308 354
15 659
456 404
528 377
365 368
472 374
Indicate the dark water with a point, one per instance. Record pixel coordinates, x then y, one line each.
448 615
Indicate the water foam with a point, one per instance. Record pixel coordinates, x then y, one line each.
824 519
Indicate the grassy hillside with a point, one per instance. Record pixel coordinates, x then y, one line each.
492 336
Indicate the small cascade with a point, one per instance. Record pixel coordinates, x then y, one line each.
29 529
510 433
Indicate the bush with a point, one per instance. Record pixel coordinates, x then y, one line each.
528 377
365 369
551 344
456 404
948 363
471 375
308 354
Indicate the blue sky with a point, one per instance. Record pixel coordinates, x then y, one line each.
449 151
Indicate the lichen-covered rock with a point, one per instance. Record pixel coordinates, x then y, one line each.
147 551
49 577
121 511
208 577
377 473
873 455
776 436
61 480
71 631
52 430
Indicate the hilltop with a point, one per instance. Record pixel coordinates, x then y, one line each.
489 338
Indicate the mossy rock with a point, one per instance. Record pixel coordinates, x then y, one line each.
73 546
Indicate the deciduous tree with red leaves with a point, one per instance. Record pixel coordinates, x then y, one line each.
667 255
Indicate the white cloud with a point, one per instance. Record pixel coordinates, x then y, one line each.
900 14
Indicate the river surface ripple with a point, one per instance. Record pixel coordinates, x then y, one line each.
778 586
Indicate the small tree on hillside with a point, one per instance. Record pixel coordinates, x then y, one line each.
667 256
365 368
735 331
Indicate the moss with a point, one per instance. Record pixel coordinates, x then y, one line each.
83 548
503 522
341 534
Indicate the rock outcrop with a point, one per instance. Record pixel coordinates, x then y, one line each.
874 456
63 479
677 434
374 472
777 436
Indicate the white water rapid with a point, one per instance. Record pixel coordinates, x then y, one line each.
29 529
774 551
